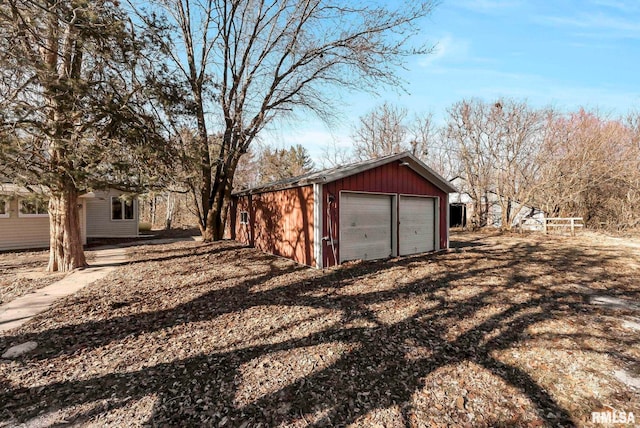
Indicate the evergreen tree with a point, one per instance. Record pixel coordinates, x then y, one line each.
72 114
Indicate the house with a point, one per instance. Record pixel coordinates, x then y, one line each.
462 207
24 221
395 205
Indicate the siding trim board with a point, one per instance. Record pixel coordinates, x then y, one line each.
448 218
318 239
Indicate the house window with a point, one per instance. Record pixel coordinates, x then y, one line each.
121 209
244 217
33 207
4 207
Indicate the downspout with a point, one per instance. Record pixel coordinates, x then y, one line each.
448 218
317 225
330 201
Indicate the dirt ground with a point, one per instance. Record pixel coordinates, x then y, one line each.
504 330
23 272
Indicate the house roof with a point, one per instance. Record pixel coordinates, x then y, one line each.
10 189
13 190
333 174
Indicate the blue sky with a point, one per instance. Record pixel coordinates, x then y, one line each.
561 53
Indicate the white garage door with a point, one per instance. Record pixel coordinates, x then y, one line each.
365 226
417 225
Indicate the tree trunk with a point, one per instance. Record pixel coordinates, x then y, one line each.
505 215
476 222
65 243
216 215
169 218
153 210
221 196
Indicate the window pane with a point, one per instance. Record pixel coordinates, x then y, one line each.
28 207
42 206
116 209
3 206
128 210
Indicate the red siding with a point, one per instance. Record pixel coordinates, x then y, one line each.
282 223
390 178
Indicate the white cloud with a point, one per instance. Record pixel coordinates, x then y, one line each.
595 24
619 5
447 49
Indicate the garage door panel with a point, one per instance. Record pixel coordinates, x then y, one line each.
365 223
417 225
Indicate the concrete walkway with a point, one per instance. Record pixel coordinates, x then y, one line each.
22 309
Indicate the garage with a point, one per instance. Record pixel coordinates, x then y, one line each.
416 231
385 207
366 226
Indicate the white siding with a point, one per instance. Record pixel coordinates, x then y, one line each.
23 232
99 223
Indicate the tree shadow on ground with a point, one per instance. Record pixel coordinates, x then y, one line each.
374 353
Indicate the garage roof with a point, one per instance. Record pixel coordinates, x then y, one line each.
333 174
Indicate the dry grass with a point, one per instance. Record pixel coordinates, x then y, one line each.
500 332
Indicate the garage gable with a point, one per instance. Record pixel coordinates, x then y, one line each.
403 182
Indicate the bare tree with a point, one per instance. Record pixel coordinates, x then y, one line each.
422 136
248 170
472 134
497 146
429 144
184 35
514 156
388 130
71 112
630 209
591 170
334 155
266 59
381 132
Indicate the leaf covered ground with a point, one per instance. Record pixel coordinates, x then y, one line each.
504 330
22 272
